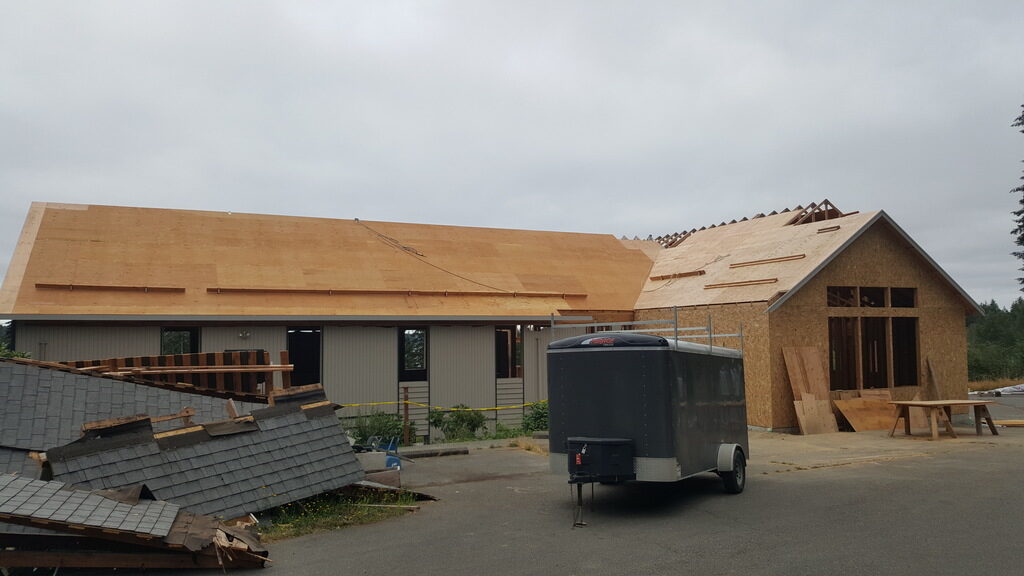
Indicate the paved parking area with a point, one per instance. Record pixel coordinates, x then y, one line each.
853 503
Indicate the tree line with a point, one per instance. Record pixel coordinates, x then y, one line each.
995 342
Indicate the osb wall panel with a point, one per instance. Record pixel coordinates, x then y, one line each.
728 319
878 258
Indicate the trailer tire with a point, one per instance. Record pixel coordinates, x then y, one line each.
736 479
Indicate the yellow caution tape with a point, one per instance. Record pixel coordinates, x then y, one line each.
442 408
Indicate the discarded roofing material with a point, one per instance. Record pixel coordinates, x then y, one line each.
114 529
43 406
289 451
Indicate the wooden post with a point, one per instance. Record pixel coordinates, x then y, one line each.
405 415
286 377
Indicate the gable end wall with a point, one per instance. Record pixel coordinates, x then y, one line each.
879 258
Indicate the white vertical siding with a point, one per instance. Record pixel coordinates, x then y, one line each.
56 343
273 339
535 361
461 369
360 364
510 393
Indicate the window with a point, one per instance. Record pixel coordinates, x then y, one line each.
179 340
872 297
903 297
508 352
841 296
412 354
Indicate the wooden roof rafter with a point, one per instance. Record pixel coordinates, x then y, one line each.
816 212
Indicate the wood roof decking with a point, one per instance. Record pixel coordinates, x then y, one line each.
764 259
749 261
115 261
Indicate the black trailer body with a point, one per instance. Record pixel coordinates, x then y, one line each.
681 406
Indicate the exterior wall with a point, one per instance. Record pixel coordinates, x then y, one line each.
535 361
273 339
360 365
730 319
60 343
879 258
461 369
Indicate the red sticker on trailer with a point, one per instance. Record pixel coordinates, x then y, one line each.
599 341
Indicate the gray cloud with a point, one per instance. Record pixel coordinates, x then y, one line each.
622 118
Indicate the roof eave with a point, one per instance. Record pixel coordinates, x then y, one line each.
534 319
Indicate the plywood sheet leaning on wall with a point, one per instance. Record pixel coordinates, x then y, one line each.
805 366
808 379
815 416
866 413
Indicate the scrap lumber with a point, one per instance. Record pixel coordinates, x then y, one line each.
809 382
1009 423
930 390
866 413
805 366
815 416
241 374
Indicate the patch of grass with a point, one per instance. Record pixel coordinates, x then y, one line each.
984 385
331 512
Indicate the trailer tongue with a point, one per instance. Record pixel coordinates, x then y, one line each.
635 407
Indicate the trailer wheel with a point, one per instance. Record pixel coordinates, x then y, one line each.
736 478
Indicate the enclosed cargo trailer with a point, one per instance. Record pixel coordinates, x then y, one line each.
627 406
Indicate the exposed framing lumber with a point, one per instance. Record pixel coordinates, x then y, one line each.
185 414
768 261
218 369
362 292
178 432
679 275
741 283
110 288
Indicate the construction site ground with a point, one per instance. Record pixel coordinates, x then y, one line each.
854 503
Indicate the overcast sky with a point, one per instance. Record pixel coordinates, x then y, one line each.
627 118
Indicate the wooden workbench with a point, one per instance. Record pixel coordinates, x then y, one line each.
942 409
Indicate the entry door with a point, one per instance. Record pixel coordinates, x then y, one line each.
874 353
304 354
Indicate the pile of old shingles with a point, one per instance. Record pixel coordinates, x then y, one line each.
218 471
114 529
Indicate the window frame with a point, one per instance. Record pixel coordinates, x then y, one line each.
194 333
406 374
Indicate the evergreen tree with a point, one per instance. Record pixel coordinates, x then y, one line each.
1018 232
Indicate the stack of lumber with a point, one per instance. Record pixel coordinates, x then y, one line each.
809 380
240 374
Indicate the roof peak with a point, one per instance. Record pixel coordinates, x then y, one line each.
814 212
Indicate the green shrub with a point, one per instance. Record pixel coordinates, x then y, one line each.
458 423
386 425
536 418
502 432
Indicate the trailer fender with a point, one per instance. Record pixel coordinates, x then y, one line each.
725 456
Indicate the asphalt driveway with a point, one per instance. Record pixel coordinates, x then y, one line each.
846 503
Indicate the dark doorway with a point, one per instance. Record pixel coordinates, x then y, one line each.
874 353
304 354
842 353
904 351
